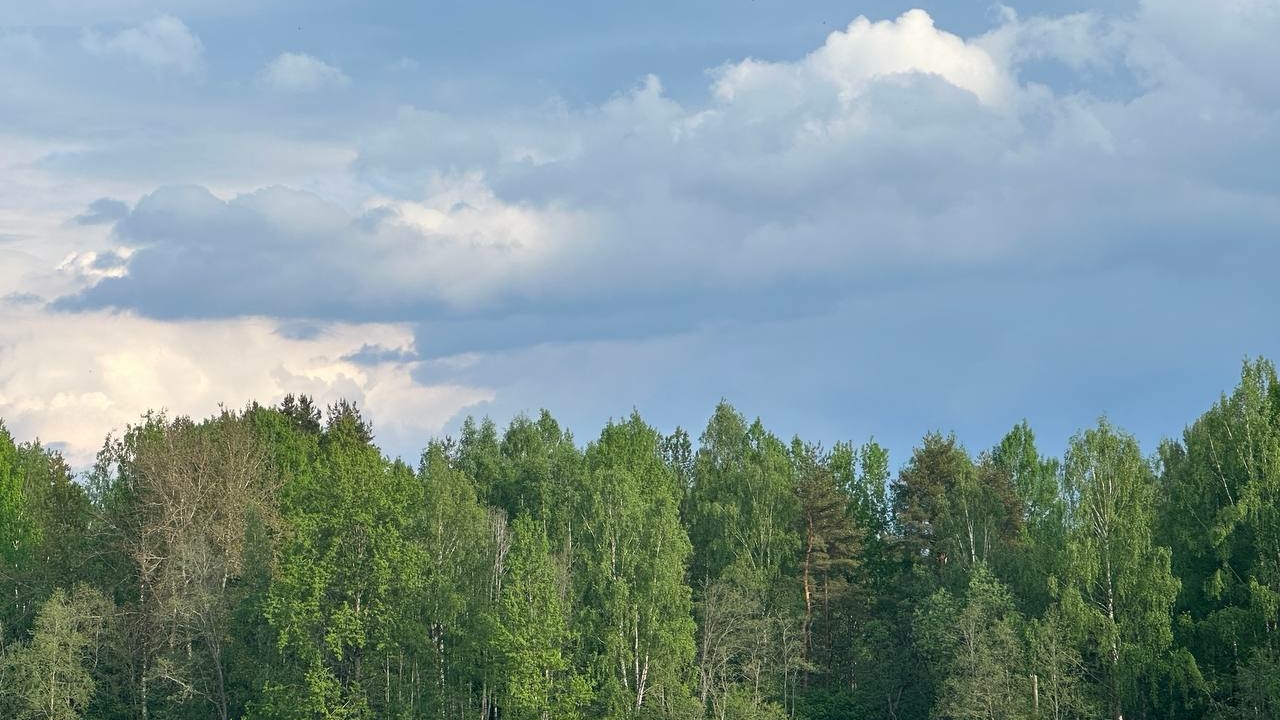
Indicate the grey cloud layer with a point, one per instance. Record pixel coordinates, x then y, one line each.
895 156
102 210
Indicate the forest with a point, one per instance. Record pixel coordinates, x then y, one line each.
272 562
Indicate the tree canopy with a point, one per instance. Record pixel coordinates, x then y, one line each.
272 562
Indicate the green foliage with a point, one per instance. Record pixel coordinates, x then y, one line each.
744 520
976 644
1257 688
1219 513
534 636
345 575
952 514
447 616
742 511
45 522
271 563
1117 587
1061 682
49 677
17 531
1036 555
480 458
741 704
831 554
631 560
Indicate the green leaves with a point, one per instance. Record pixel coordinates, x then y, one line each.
1119 586
534 637
976 646
952 514
631 563
742 510
49 677
267 564
18 533
347 568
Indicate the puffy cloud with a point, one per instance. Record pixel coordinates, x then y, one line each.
93 265
163 42
292 254
863 53
102 210
1230 43
70 378
893 155
900 215
1084 42
298 73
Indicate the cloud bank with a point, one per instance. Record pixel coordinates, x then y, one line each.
70 378
894 155
900 226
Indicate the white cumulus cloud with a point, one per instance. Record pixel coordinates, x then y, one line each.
867 51
163 42
299 72
69 378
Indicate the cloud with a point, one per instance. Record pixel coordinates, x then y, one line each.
1086 43
292 254
895 227
301 73
21 298
69 378
163 42
221 159
102 211
895 155
1149 347
370 354
1230 44
862 54
109 261
95 265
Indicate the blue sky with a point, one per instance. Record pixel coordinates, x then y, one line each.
848 219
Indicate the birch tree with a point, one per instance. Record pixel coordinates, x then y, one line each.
49 677
1117 586
632 557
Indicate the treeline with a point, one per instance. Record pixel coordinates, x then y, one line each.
272 563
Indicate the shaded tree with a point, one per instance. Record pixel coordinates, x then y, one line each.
49 677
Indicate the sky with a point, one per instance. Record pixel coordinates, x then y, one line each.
852 220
